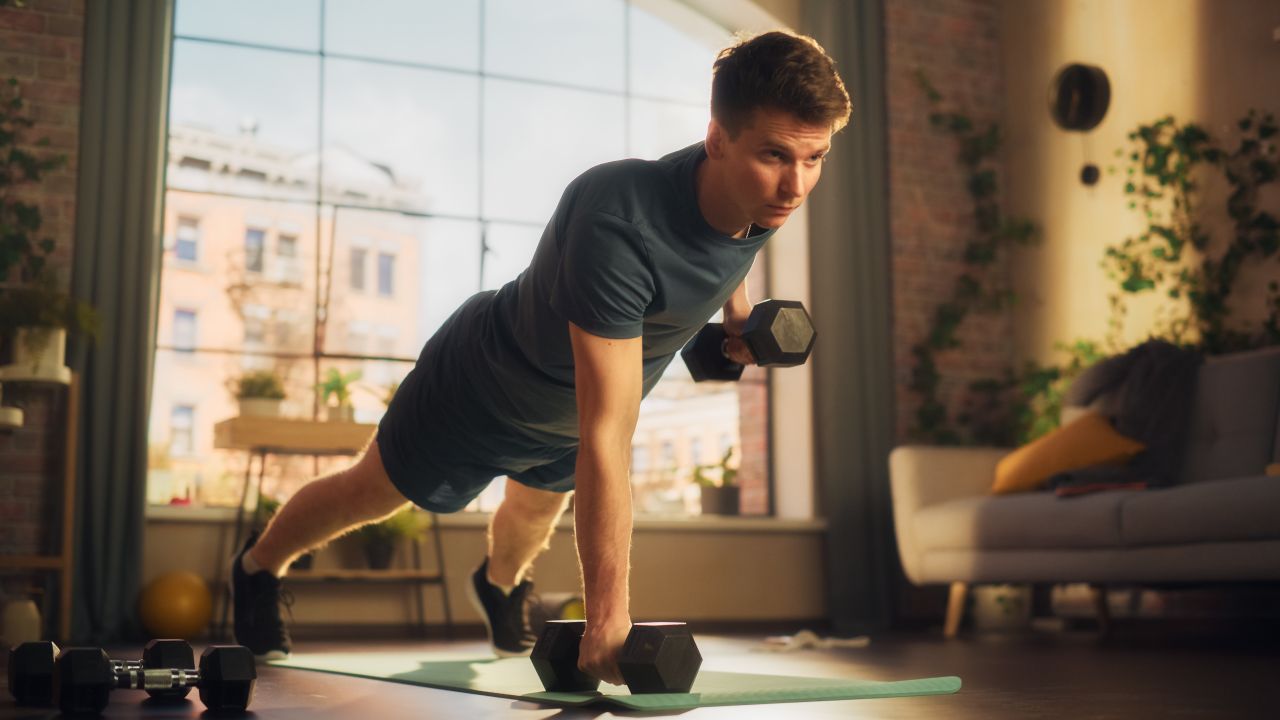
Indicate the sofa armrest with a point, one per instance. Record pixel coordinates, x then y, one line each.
921 476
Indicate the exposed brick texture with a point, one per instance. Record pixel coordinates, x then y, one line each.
41 46
957 45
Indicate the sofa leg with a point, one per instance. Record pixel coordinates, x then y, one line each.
955 608
1102 610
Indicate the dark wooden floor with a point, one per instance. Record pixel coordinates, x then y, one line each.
1039 676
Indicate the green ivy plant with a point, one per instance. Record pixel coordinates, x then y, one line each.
979 287
32 296
1164 158
259 384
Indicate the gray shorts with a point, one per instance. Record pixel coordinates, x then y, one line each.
442 446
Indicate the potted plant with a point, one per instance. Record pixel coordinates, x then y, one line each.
260 393
35 313
379 539
337 386
719 497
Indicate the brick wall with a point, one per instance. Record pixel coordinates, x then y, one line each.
957 45
753 418
41 45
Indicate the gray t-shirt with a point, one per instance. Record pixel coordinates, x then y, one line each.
627 253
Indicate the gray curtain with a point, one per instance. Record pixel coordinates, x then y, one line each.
118 224
853 359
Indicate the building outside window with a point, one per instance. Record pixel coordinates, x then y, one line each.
254 241
386 274
184 330
182 423
357 263
438 183
187 246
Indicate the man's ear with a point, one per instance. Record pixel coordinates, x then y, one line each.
716 137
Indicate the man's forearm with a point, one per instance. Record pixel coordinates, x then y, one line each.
602 529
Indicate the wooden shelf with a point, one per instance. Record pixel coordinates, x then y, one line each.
289 436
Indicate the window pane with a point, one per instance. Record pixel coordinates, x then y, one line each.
401 138
509 248
657 128
358 270
279 23
187 242
184 329
431 32
221 286
561 134
672 51
253 241
181 423
254 109
386 274
578 42
431 266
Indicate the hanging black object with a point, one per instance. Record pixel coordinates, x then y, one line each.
1079 97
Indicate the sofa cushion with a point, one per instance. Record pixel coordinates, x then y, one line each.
1234 416
1085 441
1234 510
1025 521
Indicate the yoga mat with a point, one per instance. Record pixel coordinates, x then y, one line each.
515 678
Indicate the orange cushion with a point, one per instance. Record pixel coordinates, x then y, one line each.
1087 440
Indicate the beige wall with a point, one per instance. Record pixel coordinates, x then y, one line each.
706 570
1203 61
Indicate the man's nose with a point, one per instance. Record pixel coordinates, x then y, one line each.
791 182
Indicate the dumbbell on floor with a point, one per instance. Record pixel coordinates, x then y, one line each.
31 667
83 679
779 333
658 657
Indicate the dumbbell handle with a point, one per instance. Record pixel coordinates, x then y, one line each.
156 678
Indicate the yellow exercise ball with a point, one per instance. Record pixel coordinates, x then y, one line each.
176 604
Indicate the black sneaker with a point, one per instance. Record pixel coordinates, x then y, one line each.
256 601
506 617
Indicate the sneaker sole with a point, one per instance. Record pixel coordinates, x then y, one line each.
484 616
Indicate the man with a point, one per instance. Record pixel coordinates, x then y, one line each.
541 380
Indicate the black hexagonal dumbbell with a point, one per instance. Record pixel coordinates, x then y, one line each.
83 679
31 668
658 657
779 333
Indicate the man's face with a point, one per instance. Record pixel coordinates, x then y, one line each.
772 165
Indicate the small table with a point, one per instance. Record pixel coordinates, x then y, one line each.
263 436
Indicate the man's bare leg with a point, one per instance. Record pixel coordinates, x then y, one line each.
327 508
520 530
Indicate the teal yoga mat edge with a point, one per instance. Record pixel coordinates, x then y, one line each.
946 685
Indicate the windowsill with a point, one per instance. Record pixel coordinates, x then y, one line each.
643 523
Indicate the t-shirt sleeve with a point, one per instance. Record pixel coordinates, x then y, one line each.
604 282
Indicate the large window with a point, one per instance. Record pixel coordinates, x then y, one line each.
359 168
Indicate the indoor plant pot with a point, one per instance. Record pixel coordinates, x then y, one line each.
718 500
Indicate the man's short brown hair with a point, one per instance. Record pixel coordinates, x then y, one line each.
782 71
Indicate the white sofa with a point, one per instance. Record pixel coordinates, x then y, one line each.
1220 522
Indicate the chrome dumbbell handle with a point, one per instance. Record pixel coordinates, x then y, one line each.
156 678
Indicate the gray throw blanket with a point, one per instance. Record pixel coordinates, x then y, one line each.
1147 394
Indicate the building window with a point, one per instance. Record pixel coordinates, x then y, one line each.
188 239
386 274
182 422
668 455
357 268
184 330
254 239
695 450
287 258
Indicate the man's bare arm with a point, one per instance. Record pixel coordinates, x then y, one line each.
608 377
